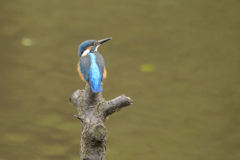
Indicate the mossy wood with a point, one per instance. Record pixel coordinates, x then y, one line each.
92 112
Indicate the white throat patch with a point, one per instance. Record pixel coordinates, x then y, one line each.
97 48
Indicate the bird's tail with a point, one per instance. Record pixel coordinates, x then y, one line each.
96 88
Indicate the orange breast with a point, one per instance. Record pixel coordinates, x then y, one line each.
105 73
79 72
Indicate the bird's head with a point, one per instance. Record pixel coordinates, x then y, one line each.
90 46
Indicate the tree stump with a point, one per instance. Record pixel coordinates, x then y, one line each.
92 112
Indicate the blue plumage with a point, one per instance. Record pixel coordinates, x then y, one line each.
91 66
94 75
83 46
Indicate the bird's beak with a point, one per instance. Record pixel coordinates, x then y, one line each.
103 40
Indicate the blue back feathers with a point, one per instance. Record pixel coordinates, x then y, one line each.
95 75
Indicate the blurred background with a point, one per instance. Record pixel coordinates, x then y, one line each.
178 60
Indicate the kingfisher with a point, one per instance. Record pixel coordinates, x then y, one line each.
91 65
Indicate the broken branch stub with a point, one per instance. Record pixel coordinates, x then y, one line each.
92 112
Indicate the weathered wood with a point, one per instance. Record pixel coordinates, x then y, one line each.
92 112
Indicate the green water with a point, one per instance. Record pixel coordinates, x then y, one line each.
178 60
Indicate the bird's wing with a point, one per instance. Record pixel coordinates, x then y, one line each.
85 66
100 62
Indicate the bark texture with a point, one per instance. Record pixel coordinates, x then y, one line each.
92 112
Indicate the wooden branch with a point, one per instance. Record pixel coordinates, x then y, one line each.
117 104
92 112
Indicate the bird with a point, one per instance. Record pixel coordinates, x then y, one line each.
91 65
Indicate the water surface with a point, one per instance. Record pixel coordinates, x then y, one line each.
178 61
